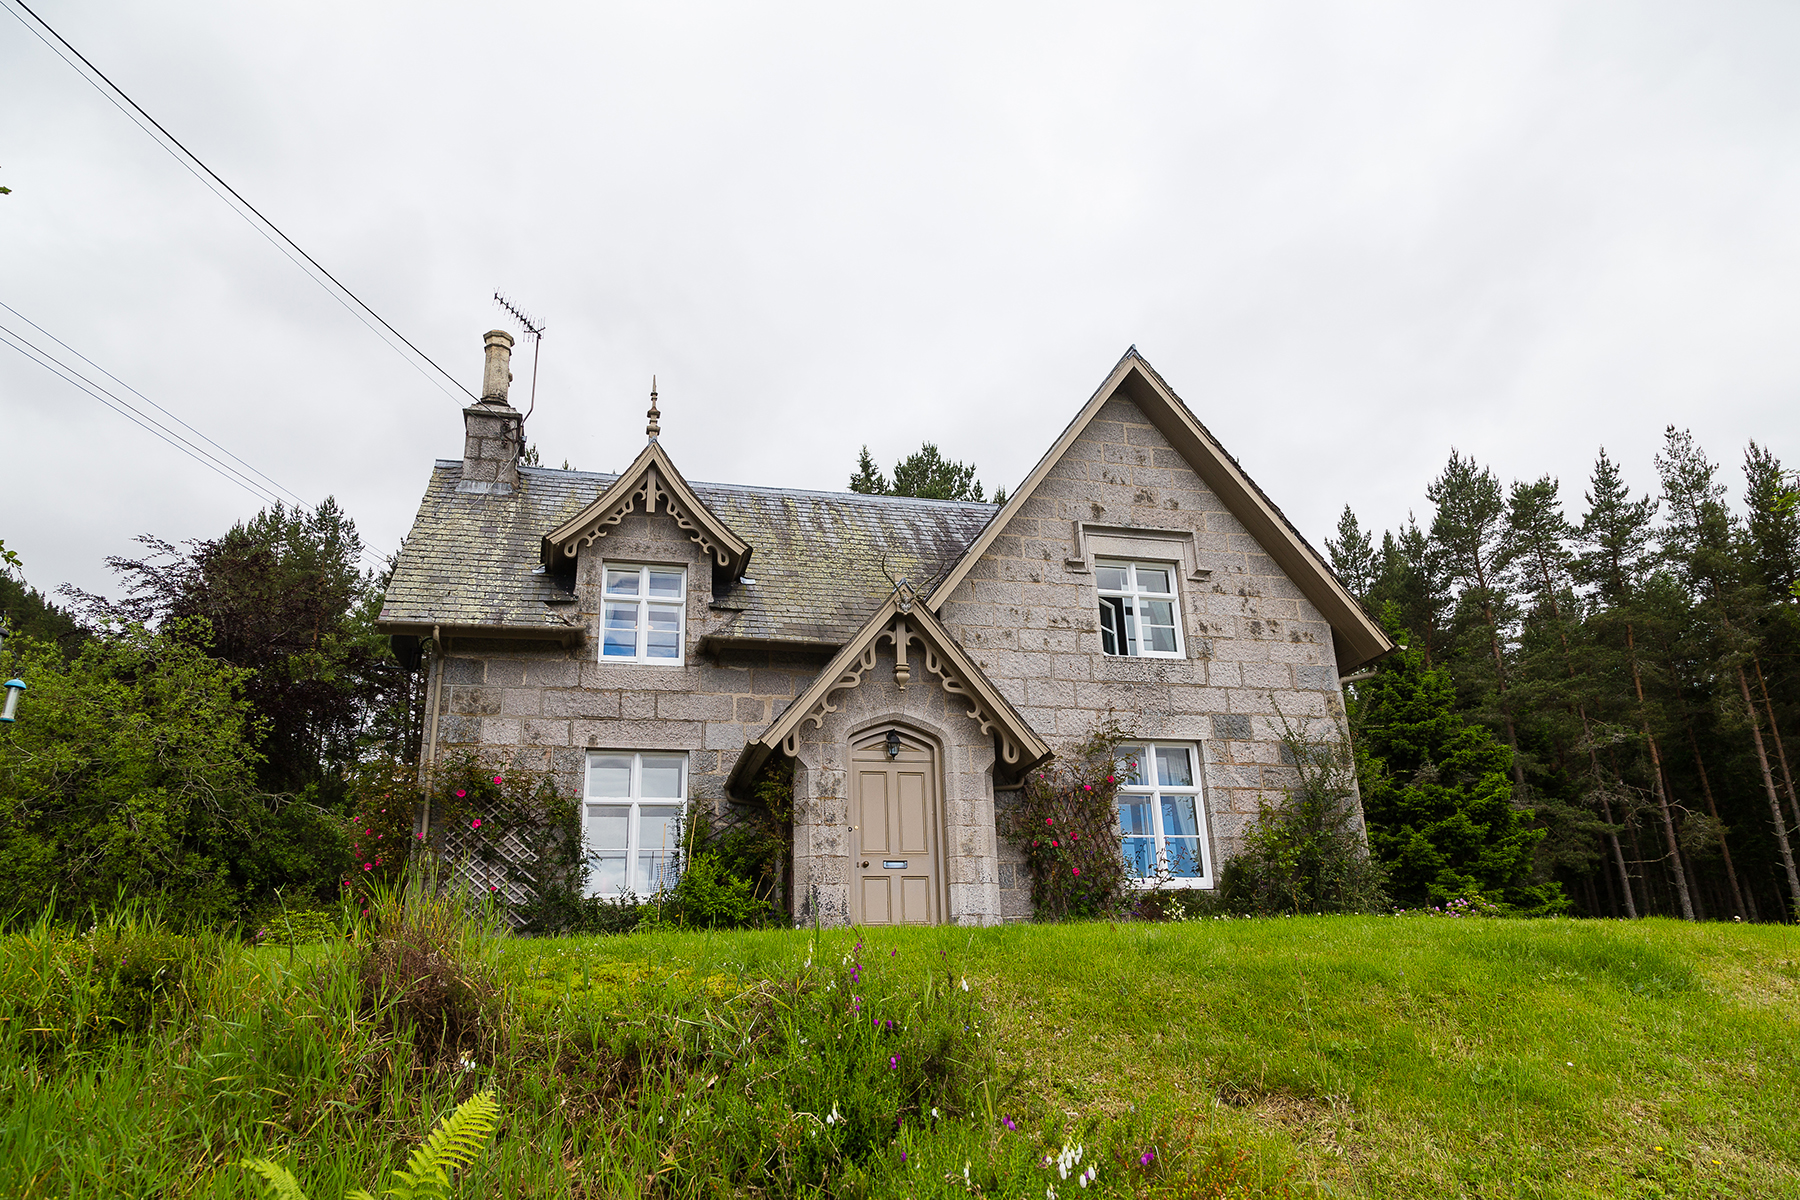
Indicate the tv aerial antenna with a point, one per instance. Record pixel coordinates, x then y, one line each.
535 331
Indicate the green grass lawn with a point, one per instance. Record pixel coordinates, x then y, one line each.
1340 1056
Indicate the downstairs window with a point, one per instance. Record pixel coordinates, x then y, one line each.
633 805
1162 827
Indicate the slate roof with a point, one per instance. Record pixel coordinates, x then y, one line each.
817 563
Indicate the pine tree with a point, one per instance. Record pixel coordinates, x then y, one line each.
1352 554
1538 537
1407 575
868 478
1435 792
1469 530
1700 542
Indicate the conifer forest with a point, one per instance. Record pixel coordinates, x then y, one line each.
1620 670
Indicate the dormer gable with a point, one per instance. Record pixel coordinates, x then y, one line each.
923 650
649 483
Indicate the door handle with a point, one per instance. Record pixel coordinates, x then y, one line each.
865 862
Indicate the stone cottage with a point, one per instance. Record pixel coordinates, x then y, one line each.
654 641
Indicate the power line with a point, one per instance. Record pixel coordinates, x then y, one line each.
211 177
267 495
153 404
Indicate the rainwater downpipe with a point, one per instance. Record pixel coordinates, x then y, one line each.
433 691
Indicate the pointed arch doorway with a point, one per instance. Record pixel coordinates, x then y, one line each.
897 836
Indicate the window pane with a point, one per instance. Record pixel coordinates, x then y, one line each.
1134 817
622 583
621 630
1140 857
1112 621
1111 579
659 828
1152 579
1184 858
1159 638
665 583
1131 766
606 873
664 638
607 826
1180 816
655 873
1173 768
1156 612
609 778
662 777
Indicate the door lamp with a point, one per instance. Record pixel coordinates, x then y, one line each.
893 737
14 689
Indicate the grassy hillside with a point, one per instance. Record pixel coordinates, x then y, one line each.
1340 1056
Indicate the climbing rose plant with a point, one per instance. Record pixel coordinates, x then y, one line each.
1066 824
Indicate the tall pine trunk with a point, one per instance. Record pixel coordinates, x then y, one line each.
1656 785
1787 777
1737 893
1762 759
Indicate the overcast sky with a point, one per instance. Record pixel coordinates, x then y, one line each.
1350 236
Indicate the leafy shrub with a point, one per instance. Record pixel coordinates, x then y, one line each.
296 927
708 896
1307 854
1066 823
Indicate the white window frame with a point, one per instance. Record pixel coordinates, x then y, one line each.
645 605
1155 791
635 803
1134 597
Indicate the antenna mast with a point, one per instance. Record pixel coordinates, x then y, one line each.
535 331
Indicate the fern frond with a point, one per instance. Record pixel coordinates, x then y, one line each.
278 1182
357 1194
454 1144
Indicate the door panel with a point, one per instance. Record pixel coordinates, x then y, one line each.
876 820
877 904
896 843
914 812
915 900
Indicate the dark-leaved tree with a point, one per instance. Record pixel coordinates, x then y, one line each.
281 595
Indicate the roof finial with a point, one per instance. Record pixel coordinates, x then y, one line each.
652 429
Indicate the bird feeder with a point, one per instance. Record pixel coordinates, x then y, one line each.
14 689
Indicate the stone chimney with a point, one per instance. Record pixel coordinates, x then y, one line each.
493 429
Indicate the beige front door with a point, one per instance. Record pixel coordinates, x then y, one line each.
895 845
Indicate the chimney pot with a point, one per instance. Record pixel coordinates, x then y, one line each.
494 381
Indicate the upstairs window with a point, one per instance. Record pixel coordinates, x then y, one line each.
633 806
1162 830
644 614
1139 616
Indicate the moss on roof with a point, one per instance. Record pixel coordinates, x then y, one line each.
816 571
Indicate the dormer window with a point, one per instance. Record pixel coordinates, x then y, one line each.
643 614
1139 616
